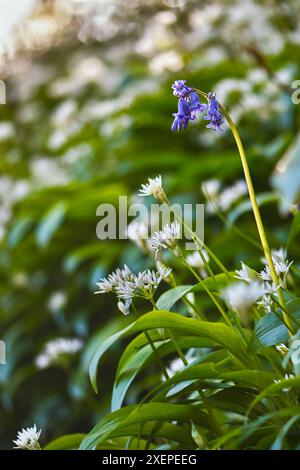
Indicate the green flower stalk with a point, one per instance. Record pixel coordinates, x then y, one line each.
215 113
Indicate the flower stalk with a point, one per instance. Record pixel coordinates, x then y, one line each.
257 216
256 211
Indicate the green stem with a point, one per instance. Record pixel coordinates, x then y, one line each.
187 302
257 216
200 243
256 212
211 295
190 304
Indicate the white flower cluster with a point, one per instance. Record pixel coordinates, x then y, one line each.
241 297
153 188
7 130
56 301
225 199
28 439
197 261
127 285
281 265
137 231
167 238
57 351
263 282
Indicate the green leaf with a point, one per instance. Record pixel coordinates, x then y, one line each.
295 228
121 420
246 206
139 353
19 230
275 388
186 376
278 443
165 431
67 442
271 330
219 332
50 223
171 296
124 379
286 176
252 378
137 361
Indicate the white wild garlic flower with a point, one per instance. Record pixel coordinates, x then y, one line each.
28 438
248 275
56 301
245 274
211 188
225 199
230 195
196 261
270 291
281 265
242 296
167 238
57 351
114 280
153 188
266 302
137 231
127 285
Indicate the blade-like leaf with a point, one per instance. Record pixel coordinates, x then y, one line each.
123 418
219 332
68 442
134 359
50 223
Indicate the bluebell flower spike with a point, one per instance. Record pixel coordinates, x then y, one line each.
214 114
183 116
189 106
180 90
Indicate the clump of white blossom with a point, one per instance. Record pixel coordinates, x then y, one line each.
222 200
58 351
137 231
127 285
264 278
28 439
153 188
197 261
210 189
56 301
281 265
167 238
241 297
